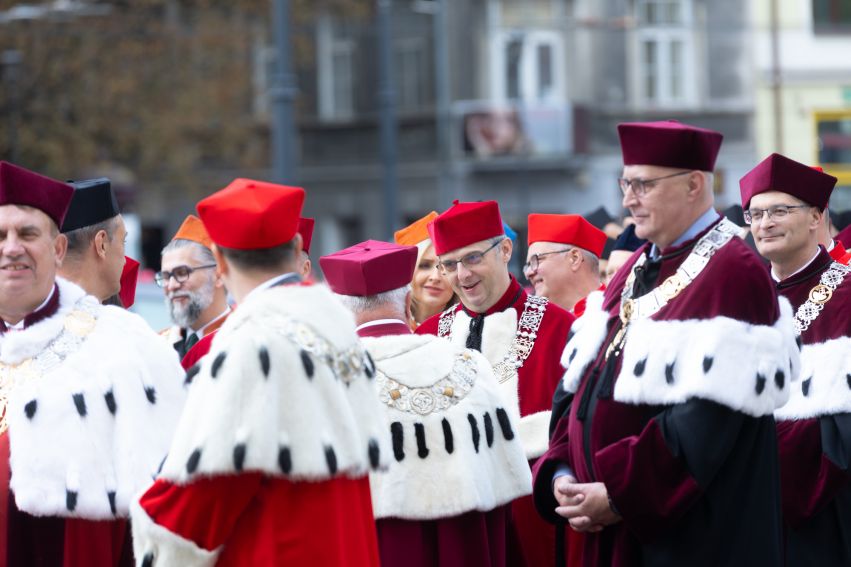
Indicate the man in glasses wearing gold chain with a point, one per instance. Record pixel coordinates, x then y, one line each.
194 292
457 462
521 335
784 203
664 449
89 395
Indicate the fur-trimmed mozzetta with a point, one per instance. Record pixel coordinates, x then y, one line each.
746 367
261 402
451 461
589 331
89 433
824 387
535 433
497 336
155 546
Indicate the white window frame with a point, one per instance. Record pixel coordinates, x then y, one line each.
336 100
529 85
410 81
665 36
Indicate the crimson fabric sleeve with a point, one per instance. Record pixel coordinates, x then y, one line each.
814 464
655 477
204 512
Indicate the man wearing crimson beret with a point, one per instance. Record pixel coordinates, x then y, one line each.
457 462
664 449
270 461
89 395
521 335
785 203
563 260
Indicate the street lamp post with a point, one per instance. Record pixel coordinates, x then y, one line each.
387 112
282 94
10 60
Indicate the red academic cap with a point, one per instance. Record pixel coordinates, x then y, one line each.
250 215
369 268
566 229
19 186
129 278
463 224
305 229
779 173
669 144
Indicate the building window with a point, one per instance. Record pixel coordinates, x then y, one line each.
666 54
528 66
832 16
337 60
410 69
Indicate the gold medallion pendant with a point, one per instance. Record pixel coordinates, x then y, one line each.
820 294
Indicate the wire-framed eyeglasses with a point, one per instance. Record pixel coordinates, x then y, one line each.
180 274
469 260
640 187
535 260
775 212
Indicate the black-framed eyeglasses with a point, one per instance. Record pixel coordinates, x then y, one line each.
640 187
180 274
776 212
470 260
535 260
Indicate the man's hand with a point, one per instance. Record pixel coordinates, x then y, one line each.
585 506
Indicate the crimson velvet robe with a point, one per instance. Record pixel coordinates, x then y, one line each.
535 541
814 430
690 465
473 538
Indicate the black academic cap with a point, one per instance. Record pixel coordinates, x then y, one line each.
93 202
599 217
735 214
628 240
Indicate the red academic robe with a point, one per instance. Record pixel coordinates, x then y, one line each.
473 538
33 532
49 541
678 425
292 489
814 429
535 541
579 308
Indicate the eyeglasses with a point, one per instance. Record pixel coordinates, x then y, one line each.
180 274
640 187
776 212
470 260
535 260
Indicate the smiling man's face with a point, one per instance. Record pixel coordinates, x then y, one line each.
31 251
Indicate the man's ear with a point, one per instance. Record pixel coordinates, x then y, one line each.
222 267
60 247
100 241
696 184
506 247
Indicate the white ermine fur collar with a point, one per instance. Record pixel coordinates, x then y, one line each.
825 384
748 368
87 433
287 389
455 443
497 335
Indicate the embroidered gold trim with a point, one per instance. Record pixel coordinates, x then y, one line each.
440 396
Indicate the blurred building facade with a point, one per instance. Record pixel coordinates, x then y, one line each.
536 89
803 88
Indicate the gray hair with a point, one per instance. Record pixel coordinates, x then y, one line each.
592 260
79 239
202 253
360 304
